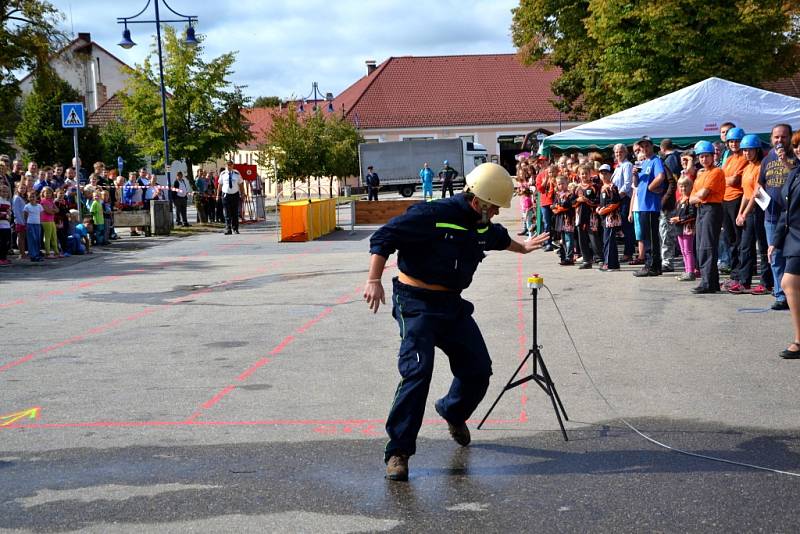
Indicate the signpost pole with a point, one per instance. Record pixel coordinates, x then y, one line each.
77 175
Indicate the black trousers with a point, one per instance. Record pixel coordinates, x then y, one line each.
709 224
231 203
180 210
447 185
651 238
733 233
584 244
5 242
754 233
372 193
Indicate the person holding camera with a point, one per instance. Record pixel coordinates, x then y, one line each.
648 179
775 169
440 245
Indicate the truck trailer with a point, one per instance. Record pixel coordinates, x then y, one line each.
398 163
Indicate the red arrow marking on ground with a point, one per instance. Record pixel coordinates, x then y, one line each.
10 419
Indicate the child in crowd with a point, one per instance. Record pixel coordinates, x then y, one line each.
684 221
32 215
707 194
610 202
564 223
48 219
17 207
107 216
587 221
62 221
525 206
5 224
750 219
96 209
79 239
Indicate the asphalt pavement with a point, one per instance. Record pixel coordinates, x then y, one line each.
213 383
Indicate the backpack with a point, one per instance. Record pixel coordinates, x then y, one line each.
668 201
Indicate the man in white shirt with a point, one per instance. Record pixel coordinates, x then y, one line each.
180 197
230 182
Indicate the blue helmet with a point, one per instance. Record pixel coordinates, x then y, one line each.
734 134
703 147
751 141
445 162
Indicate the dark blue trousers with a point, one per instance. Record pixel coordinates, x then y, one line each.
429 319
610 251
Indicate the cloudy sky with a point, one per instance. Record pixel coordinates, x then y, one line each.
283 46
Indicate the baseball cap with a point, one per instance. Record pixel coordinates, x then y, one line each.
645 138
605 167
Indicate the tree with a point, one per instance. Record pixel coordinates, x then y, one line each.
28 36
204 116
115 141
615 54
267 102
286 149
319 145
342 154
40 132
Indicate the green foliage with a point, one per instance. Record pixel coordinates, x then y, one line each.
267 102
204 116
298 148
28 36
40 132
615 54
115 141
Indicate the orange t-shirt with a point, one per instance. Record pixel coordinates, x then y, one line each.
735 164
714 181
750 179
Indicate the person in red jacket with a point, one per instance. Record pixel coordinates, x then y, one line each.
546 185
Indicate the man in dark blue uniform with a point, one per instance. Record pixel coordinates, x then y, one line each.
440 245
373 182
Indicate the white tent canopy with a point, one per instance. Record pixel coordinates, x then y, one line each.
685 116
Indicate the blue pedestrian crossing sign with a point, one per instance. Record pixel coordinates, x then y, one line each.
72 115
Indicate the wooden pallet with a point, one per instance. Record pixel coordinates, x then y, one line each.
381 211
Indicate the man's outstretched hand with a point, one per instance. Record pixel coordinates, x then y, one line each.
374 295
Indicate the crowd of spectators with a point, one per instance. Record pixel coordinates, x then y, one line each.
53 212
715 206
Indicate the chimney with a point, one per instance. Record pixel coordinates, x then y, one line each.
371 66
85 36
102 94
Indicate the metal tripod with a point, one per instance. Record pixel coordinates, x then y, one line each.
539 374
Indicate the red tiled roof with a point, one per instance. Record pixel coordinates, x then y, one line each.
407 92
260 122
786 86
110 111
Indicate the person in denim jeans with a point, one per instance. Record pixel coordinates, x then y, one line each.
775 168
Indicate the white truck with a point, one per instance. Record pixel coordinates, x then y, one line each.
398 163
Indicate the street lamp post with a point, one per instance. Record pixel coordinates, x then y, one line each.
316 93
190 40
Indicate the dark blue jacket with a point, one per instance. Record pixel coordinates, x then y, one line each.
787 231
440 242
772 178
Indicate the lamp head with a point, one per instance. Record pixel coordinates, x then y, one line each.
191 40
126 41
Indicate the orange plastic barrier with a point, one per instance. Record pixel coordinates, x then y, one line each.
302 220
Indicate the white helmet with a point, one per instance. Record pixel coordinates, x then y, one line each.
491 183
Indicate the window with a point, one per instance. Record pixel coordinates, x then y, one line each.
468 138
421 138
